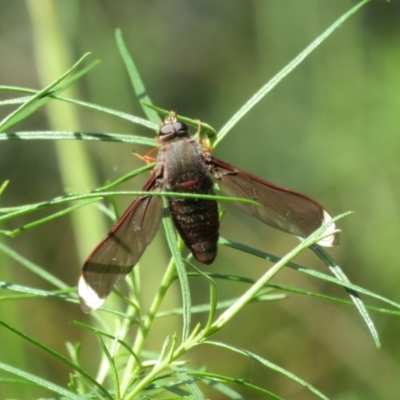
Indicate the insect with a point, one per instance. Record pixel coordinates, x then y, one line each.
184 166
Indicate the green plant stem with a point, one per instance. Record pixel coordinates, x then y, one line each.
132 367
120 332
252 291
195 340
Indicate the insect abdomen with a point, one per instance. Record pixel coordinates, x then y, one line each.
197 220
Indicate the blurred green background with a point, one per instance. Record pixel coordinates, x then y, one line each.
329 130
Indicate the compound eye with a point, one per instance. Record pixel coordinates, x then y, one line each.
181 129
166 129
174 129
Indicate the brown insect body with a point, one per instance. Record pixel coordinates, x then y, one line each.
184 170
184 167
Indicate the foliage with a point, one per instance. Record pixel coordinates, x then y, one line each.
126 365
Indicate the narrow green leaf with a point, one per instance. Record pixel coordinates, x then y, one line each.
163 358
134 75
125 178
3 187
13 212
180 268
305 270
263 295
75 384
42 93
212 379
59 357
108 335
270 365
74 77
212 307
50 217
32 108
40 382
252 291
36 269
114 372
256 98
128 117
189 383
61 135
33 293
355 297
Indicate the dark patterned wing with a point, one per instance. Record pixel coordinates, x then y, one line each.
121 249
280 208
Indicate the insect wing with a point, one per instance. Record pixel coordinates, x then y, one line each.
121 249
280 208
